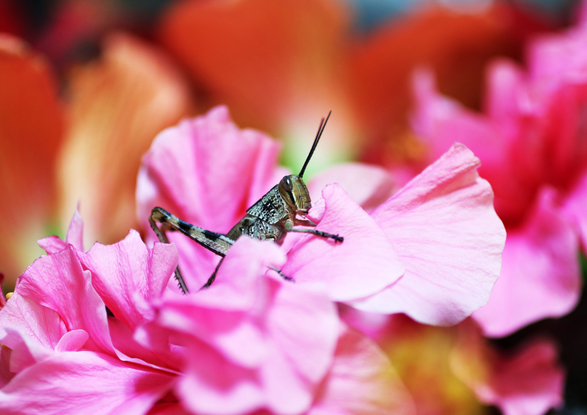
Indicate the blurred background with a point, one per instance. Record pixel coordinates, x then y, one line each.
86 85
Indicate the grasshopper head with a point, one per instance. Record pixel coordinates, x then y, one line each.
293 189
295 193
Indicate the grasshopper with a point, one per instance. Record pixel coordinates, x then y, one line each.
270 218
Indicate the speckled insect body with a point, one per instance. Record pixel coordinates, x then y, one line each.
270 218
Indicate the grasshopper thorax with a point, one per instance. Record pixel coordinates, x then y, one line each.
295 193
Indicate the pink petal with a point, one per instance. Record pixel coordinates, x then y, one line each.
540 275
72 341
304 329
83 382
197 162
301 329
506 90
269 348
24 351
213 385
52 244
361 381
127 270
31 320
59 283
530 381
368 186
207 172
75 232
557 59
219 315
575 204
362 265
237 286
443 226
442 122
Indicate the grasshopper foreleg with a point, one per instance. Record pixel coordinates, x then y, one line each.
305 222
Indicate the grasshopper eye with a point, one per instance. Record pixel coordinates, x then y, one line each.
287 184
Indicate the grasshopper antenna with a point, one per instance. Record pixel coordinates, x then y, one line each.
318 135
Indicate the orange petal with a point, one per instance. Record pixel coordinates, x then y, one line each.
455 45
276 64
31 127
118 105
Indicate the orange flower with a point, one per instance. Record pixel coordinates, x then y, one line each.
31 130
51 158
117 106
279 66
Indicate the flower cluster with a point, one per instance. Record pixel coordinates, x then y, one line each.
106 331
531 139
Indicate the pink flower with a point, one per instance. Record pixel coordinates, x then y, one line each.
100 332
257 341
531 142
61 352
432 250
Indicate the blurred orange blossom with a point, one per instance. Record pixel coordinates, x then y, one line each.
84 149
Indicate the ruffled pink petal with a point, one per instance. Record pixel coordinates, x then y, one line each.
53 244
75 232
556 59
59 283
440 122
197 162
125 344
540 274
127 270
362 265
40 324
301 329
269 349
237 286
24 351
150 341
447 235
505 95
575 203
369 186
213 385
83 382
72 341
219 315
304 330
207 172
530 381
361 380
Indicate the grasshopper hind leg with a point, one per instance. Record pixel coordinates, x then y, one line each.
159 215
